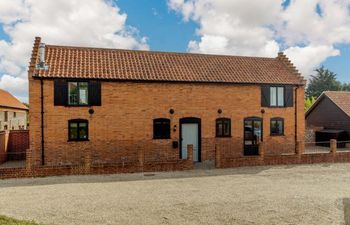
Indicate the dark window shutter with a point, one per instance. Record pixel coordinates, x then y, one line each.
95 93
60 92
288 96
265 96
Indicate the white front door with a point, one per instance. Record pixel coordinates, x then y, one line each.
189 137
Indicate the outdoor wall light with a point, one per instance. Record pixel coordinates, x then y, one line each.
171 111
219 111
262 111
91 111
174 128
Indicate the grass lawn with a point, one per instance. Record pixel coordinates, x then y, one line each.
4 220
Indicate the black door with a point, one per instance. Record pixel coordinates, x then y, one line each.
252 135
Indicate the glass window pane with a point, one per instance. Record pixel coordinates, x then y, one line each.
280 95
83 130
73 128
73 93
257 129
248 131
273 95
83 93
227 128
166 129
161 129
157 129
277 127
219 128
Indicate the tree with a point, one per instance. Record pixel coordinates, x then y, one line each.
324 80
309 102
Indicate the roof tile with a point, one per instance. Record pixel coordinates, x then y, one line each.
97 63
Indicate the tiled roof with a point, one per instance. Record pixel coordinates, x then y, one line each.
341 99
116 64
9 101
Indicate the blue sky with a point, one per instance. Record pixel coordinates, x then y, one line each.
311 33
167 31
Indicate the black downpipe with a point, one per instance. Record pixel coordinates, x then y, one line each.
42 123
295 117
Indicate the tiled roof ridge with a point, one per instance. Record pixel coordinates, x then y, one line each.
34 56
290 66
347 92
156 52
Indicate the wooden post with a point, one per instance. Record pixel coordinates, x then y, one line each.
190 152
333 146
217 156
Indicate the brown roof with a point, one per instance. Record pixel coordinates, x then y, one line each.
116 64
9 101
339 98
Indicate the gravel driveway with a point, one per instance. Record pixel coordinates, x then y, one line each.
306 194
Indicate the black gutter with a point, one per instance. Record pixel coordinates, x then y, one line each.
166 81
42 123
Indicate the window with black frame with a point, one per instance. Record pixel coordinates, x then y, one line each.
78 130
223 127
277 126
277 96
161 128
78 93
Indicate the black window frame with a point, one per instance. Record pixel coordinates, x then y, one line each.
78 89
14 114
6 116
78 122
274 119
166 125
277 97
222 121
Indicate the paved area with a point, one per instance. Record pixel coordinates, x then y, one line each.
295 194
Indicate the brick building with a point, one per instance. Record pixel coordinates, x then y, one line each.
111 102
13 113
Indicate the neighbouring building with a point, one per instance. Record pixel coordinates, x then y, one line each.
110 102
13 113
330 114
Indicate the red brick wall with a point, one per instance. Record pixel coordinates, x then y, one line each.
126 119
18 143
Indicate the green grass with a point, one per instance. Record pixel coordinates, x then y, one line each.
4 220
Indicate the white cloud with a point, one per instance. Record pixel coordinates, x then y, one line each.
77 22
308 58
264 27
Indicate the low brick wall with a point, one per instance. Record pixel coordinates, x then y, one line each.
89 166
18 143
92 168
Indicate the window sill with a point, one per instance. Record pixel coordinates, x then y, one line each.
276 135
78 140
77 105
167 138
223 136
